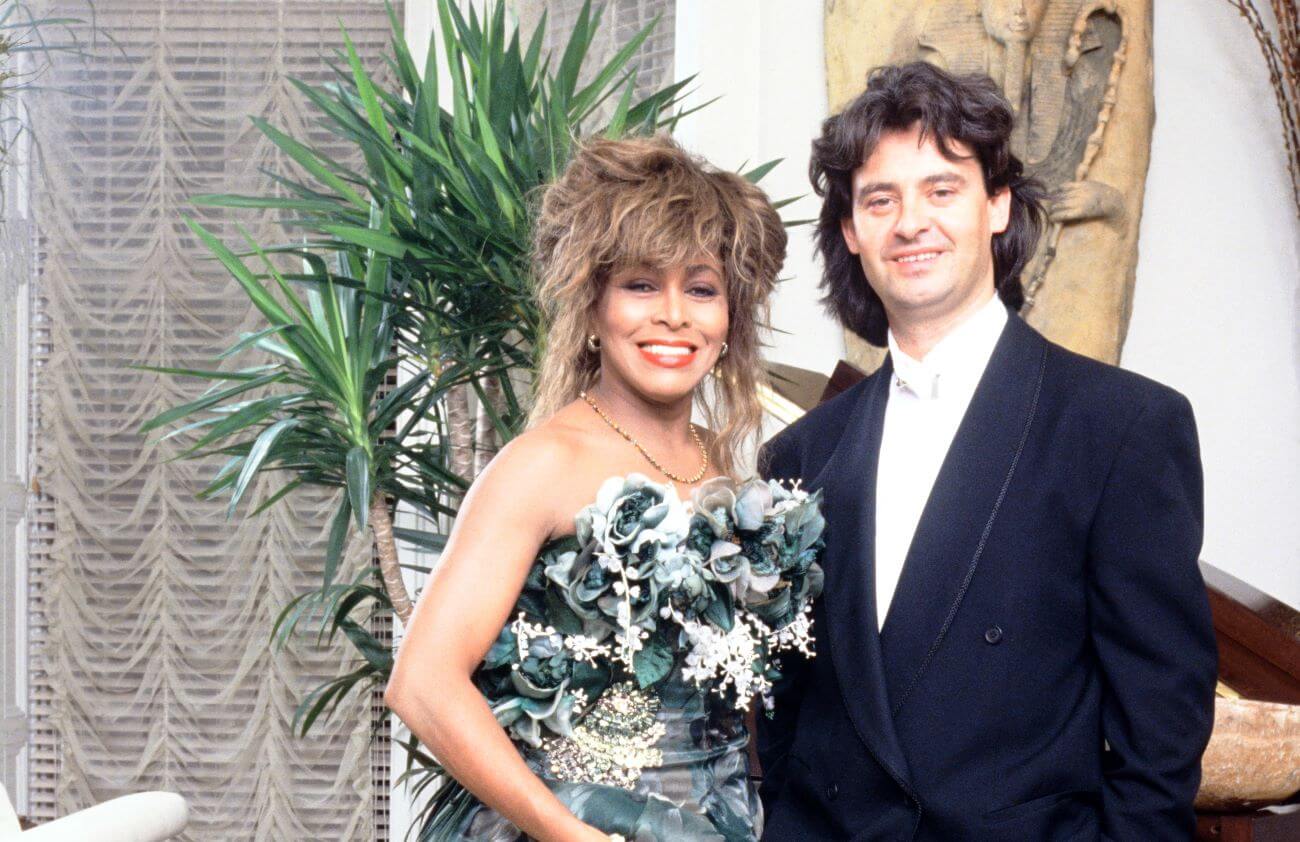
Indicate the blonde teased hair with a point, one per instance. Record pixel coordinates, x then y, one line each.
647 201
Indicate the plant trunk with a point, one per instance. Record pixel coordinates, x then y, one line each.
460 424
486 440
389 568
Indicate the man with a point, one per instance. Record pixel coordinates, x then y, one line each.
1014 641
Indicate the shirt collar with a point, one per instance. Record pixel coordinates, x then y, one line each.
954 365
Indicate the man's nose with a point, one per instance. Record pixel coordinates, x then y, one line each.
912 220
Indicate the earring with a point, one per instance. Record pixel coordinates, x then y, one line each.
725 348
593 344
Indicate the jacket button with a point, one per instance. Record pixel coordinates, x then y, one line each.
993 635
832 791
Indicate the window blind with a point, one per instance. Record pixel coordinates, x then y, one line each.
149 611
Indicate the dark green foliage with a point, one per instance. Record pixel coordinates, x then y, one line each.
419 259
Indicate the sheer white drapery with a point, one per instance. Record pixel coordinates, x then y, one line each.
153 668
621 20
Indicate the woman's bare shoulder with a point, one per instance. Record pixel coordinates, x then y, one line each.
561 464
551 458
550 445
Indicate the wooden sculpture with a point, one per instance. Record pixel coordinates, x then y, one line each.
1078 75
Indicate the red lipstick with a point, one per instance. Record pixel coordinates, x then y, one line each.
668 353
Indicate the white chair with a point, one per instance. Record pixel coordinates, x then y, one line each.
141 817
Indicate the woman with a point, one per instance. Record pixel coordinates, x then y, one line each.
581 668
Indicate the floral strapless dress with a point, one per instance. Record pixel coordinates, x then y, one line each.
636 647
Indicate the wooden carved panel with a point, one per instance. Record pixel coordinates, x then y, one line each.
1078 74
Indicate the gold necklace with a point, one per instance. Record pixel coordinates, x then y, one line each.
704 451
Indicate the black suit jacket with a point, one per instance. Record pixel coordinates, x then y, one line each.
1046 670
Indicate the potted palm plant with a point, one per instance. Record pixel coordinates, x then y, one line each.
400 330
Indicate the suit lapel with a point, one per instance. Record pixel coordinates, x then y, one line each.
959 514
849 595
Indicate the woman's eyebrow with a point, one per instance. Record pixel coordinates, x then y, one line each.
696 268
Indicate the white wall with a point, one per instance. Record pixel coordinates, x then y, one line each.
1218 290
13 529
1216 313
15 268
763 58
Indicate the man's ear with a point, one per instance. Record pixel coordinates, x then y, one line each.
1000 210
850 235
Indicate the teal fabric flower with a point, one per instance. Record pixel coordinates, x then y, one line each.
692 600
635 592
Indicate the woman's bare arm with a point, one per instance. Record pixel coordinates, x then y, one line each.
505 518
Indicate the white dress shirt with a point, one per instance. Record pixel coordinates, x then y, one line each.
927 400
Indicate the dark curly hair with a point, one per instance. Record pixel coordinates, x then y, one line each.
966 109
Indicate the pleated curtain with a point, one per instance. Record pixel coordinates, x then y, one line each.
150 610
621 20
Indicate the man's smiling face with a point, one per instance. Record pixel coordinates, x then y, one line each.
923 227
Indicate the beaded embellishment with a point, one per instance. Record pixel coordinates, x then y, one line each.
613 744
